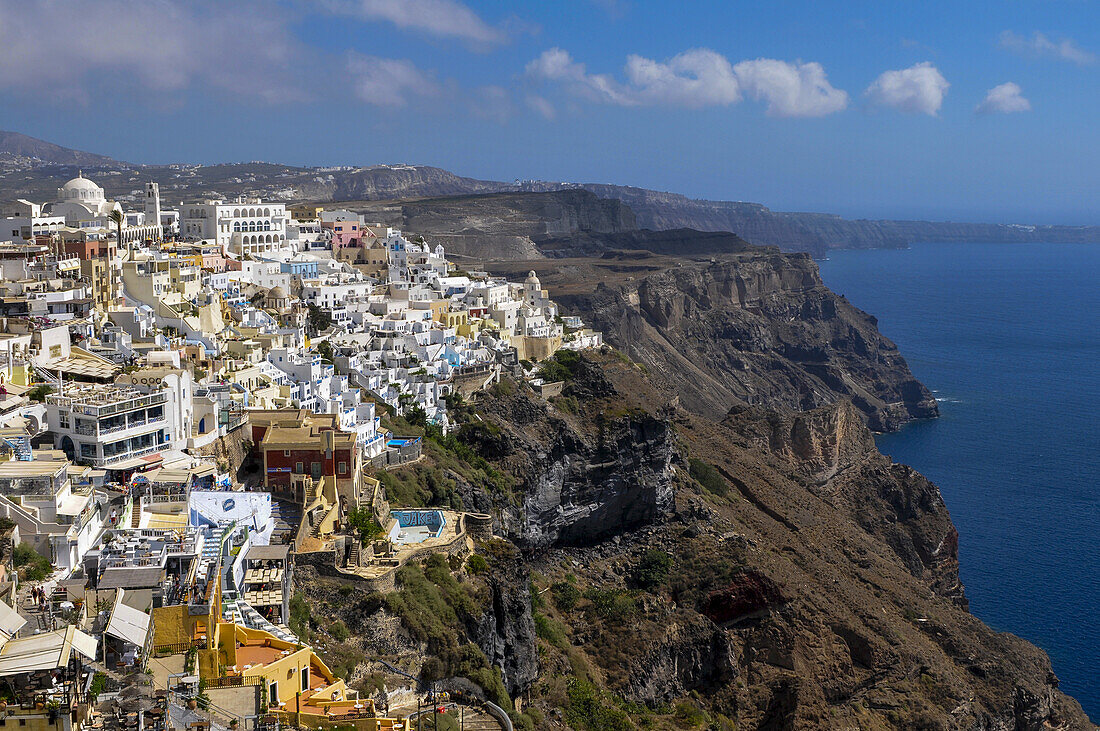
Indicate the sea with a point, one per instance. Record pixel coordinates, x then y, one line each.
1007 336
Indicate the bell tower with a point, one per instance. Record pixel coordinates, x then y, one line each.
152 208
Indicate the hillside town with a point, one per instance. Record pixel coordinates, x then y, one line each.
194 401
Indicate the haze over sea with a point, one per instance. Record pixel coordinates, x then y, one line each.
1008 336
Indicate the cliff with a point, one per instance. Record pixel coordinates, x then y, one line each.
757 328
810 582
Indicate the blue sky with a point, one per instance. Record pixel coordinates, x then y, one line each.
944 110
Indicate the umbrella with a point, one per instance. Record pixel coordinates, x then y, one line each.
137 705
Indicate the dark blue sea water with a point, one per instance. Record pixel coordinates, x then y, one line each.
1008 336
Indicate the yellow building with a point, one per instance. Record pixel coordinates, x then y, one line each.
296 685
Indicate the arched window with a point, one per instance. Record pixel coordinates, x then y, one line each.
267 211
251 212
236 213
267 225
236 225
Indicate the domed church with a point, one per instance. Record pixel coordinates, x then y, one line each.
83 204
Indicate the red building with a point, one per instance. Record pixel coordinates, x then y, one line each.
296 443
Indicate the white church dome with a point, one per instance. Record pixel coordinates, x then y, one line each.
80 188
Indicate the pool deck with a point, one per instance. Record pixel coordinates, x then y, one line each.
402 553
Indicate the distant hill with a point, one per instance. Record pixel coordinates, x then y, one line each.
21 145
508 219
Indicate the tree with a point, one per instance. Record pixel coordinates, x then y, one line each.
318 320
116 218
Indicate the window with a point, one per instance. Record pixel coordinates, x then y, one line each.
299 468
286 452
315 470
305 679
343 467
273 693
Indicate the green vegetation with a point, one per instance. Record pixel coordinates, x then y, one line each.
708 477
551 631
615 605
566 595
317 320
39 392
477 564
435 608
299 616
362 520
339 631
31 565
653 570
589 710
324 349
99 684
343 658
562 366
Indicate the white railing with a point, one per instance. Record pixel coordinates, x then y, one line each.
130 455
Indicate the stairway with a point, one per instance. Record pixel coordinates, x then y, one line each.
99 667
135 515
476 720
353 558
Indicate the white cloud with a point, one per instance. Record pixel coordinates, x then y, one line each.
541 105
791 90
440 18
695 79
558 66
692 79
1005 99
387 81
86 50
918 89
1039 44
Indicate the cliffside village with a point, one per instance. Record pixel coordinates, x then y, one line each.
192 403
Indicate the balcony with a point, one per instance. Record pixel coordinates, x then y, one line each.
116 458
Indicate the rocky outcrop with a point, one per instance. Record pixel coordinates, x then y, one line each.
506 631
691 654
578 487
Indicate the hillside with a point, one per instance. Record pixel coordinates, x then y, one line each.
14 145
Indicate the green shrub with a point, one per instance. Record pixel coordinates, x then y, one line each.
708 477
299 616
551 631
32 565
565 595
476 564
588 711
614 605
653 570
339 631
39 393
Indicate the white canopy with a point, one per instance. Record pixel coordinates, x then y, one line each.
128 624
46 651
10 622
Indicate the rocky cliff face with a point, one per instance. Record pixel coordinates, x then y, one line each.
821 591
757 328
579 483
505 632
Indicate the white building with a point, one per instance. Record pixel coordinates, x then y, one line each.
109 426
247 226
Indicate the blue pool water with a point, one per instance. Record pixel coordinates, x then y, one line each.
1008 336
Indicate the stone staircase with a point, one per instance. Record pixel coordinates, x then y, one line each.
477 720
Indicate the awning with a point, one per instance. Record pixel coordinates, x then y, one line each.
128 624
46 651
10 621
